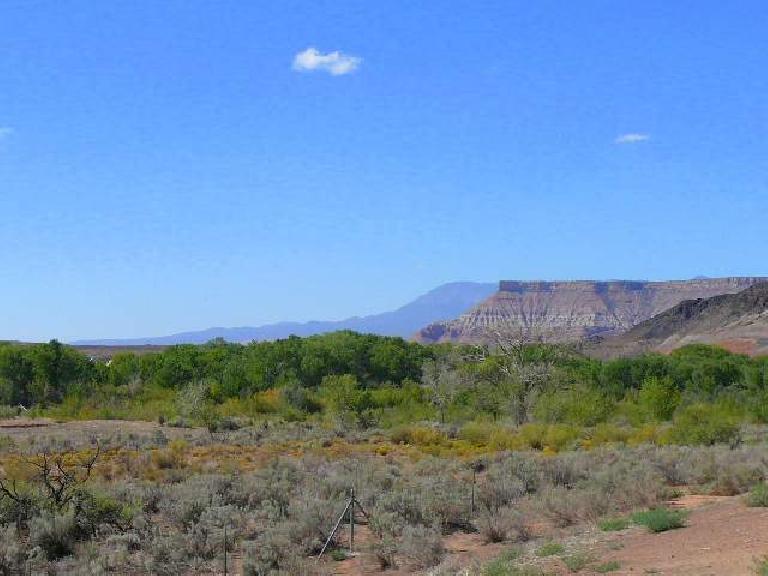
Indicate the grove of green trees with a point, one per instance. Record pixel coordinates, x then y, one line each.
364 381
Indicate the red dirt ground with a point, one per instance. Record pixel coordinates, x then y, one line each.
723 538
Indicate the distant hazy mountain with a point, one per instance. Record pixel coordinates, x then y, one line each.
442 303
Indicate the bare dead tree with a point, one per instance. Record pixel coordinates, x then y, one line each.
521 356
10 489
443 378
59 475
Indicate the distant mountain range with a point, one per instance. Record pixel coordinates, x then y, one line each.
609 318
738 322
442 303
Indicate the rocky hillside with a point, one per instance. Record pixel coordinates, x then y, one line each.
738 322
571 311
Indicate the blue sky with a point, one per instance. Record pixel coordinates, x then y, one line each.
172 165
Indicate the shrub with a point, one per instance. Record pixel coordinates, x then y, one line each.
20 510
503 564
417 436
550 549
532 435
12 553
7 411
385 550
565 507
613 524
645 434
499 489
92 510
511 554
607 567
476 433
718 470
705 424
505 523
523 467
423 546
54 534
581 406
659 397
166 555
761 566
630 481
660 519
556 505
565 470
560 436
497 567
758 496
338 555
577 562
503 439
607 433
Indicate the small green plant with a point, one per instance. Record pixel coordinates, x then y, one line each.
577 562
502 564
550 549
614 524
611 566
761 566
758 496
511 554
528 571
338 554
660 519
497 567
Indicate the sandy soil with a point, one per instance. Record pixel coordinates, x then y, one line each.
723 538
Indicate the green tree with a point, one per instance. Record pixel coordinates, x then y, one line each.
56 367
17 373
659 397
346 401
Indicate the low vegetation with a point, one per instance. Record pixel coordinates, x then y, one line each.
660 519
608 567
761 566
249 451
613 524
577 562
758 496
550 549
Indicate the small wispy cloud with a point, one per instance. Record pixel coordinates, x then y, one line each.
336 63
5 131
632 138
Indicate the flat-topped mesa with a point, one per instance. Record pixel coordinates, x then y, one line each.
567 311
521 286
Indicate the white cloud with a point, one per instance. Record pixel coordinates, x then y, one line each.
336 63
5 131
632 138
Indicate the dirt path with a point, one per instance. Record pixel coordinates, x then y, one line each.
723 538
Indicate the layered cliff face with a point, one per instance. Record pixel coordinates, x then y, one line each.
738 322
571 311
